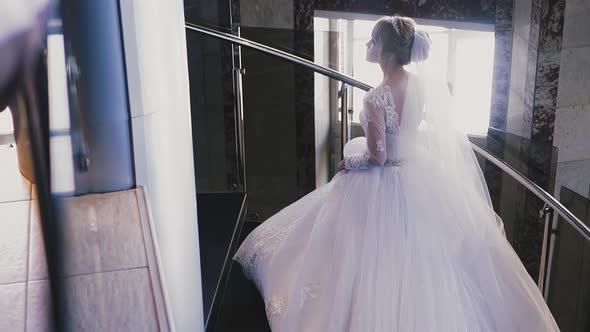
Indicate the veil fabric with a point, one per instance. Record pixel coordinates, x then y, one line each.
440 156
420 46
444 187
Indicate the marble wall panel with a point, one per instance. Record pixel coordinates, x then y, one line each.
574 87
572 136
547 71
522 18
574 176
577 24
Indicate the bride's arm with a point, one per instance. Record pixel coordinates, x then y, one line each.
375 154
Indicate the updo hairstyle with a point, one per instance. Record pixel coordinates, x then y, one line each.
396 34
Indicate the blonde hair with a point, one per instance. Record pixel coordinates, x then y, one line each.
395 35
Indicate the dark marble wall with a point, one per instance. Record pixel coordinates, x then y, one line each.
483 11
540 104
550 27
502 63
541 77
534 157
531 71
572 118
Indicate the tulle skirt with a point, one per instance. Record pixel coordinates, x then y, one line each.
372 251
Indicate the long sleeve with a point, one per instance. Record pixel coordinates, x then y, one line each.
375 154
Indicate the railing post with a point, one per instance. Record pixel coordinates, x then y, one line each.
546 212
239 72
344 128
553 237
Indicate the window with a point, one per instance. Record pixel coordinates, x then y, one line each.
463 52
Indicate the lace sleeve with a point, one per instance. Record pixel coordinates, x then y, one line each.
375 154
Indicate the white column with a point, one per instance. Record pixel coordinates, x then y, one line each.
157 75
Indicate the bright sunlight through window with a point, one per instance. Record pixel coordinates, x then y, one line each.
464 56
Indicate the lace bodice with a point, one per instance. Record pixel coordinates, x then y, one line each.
381 123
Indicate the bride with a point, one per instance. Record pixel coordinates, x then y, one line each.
404 237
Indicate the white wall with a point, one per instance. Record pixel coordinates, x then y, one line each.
157 74
572 119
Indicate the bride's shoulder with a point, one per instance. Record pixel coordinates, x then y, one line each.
374 96
370 95
379 97
378 91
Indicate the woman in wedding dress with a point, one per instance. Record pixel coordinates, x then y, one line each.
404 237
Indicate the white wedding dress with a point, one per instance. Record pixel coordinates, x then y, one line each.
397 242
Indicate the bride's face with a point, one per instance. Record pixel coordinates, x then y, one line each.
373 50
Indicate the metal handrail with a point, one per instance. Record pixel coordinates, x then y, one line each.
530 185
535 189
280 54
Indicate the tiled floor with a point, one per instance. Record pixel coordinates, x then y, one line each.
16 222
14 217
12 307
108 282
6 129
13 186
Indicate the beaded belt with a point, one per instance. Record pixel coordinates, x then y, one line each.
393 162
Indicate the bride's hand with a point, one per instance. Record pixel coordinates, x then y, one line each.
341 165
